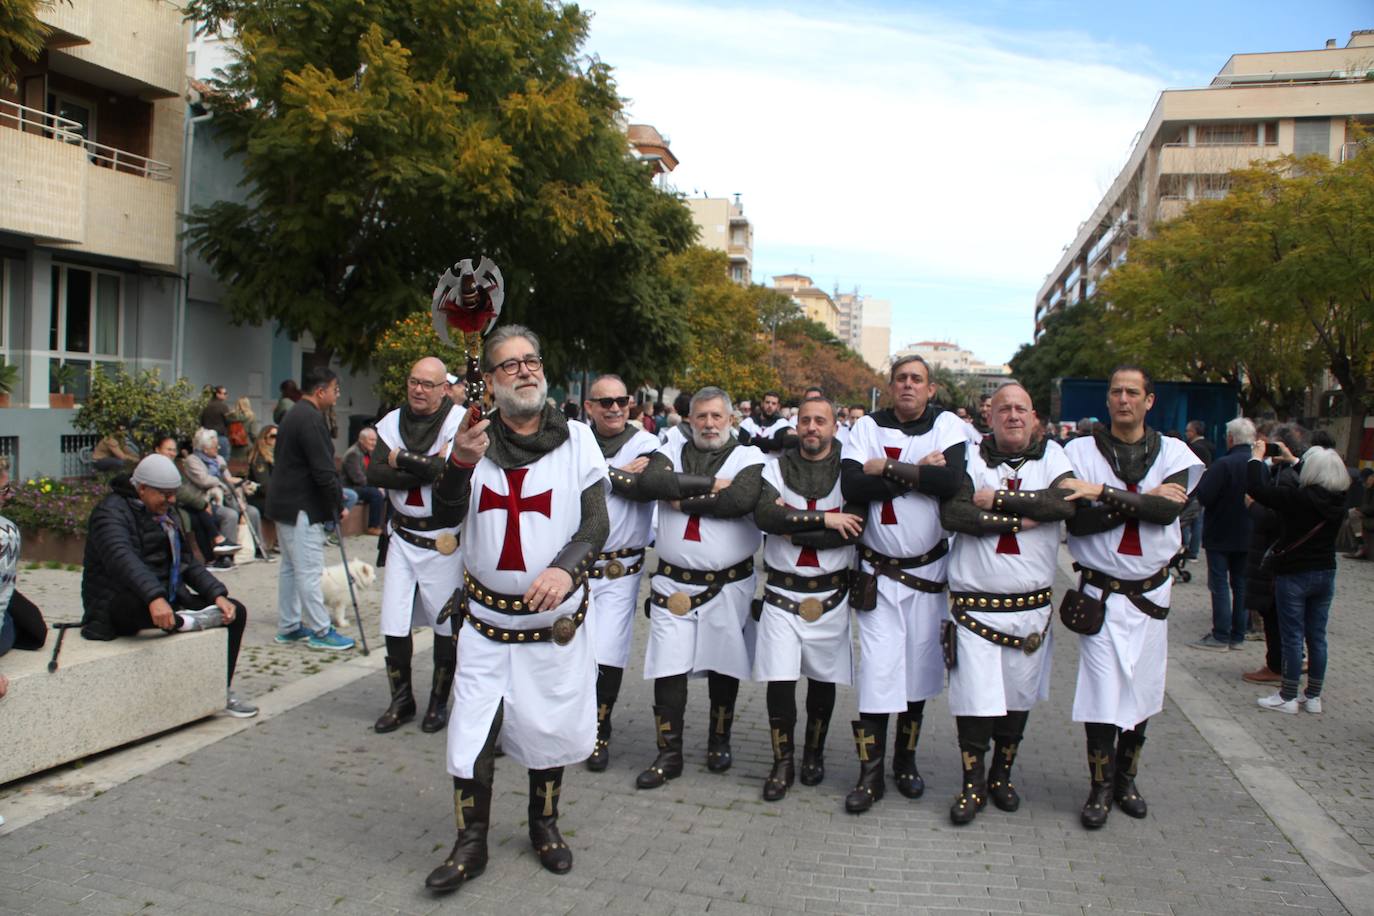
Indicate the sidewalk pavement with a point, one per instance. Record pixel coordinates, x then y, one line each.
306 809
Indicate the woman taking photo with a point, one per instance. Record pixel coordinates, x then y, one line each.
1303 561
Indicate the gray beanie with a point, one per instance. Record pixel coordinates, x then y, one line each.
158 472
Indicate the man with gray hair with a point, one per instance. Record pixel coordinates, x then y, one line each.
1226 530
698 608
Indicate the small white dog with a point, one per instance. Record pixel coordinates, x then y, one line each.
335 585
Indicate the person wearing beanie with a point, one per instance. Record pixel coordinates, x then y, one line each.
139 573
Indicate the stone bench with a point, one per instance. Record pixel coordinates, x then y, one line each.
105 694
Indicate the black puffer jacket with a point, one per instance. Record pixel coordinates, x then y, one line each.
128 559
1309 518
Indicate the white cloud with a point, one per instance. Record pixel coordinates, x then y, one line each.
944 156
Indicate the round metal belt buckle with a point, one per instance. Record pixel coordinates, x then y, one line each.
614 569
1030 643
679 603
564 629
446 543
811 610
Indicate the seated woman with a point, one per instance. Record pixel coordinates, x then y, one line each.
197 514
114 453
207 471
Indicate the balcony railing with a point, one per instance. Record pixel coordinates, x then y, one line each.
65 130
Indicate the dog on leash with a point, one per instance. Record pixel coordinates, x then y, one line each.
335 585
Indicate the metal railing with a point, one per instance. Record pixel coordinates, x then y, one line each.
9 450
76 454
65 130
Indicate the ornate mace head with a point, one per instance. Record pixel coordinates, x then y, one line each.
468 300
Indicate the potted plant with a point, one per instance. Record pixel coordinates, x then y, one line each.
63 377
9 379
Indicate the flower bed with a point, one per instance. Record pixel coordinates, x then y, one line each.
52 515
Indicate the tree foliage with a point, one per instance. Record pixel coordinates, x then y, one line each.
22 34
403 345
141 404
1074 343
807 354
381 142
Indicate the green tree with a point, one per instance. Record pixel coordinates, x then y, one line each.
723 344
807 353
22 34
400 347
1073 344
381 142
141 404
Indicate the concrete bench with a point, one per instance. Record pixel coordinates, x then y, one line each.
105 694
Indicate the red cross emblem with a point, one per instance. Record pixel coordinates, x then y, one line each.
808 554
1130 535
512 557
1007 542
889 514
413 497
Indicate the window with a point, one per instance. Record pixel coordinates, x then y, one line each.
75 109
85 314
1312 135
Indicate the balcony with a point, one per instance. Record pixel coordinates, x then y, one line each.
71 22
1215 159
1171 207
141 49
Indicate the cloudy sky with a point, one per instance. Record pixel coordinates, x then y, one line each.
927 153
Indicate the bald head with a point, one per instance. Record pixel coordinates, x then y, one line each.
1012 417
427 385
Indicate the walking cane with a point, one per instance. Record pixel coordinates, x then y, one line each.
242 510
348 574
61 629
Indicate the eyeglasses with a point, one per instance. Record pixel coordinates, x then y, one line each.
271 437
622 401
422 383
511 366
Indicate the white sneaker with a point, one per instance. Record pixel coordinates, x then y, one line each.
1312 704
1277 703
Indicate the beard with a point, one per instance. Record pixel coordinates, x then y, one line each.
812 446
700 440
520 403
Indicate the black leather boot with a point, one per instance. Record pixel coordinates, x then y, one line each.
554 854
436 716
472 811
780 778
1101 769
870 740
668 764
402 708
1124 792
718 756
813 753
1000 789
974 793
904 772
601 753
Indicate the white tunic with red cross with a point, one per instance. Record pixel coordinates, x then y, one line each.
418 580
1121 667
789 647
518 520
899 640
718 635
990 680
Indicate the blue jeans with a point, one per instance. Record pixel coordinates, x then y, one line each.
1303 602
1192 537
1226 582
300 595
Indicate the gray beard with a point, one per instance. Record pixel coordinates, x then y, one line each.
705 446
511 405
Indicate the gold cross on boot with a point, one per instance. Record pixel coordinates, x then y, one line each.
460 802
550 792
1009 752
602 712
1099 762
970 760
722 716
863 740
816 733
779 739
663 726
912 730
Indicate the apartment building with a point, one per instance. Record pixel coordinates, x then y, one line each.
651 147
724 228
813 301
865 325
942 354
91 138
1259 106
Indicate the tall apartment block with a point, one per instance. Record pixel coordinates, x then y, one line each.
91 138
1260 106
724 228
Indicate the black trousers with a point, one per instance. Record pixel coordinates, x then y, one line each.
129 615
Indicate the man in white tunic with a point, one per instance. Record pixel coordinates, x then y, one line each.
620 565
766 428
1007 515
424 567
803 617
699 622
535 521
1123 544
901 461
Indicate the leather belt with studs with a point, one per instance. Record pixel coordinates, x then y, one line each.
1027 644
1133 589
560 633
615 567
445 543
984 601
680 603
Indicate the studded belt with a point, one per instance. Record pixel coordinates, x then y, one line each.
614 568
802 582
493 601
560 633
881 559
445 543
421 522
680 603
1133 589
808 609
986 601
1028 644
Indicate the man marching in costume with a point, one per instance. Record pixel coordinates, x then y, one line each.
902 461
535 521
699 620
1123 545
620 566
766 428
1018 488
804 614
423 567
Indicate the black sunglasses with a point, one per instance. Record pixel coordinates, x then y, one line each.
622 401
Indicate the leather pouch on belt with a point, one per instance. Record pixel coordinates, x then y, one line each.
756 609
1082 614
949 643
863 590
